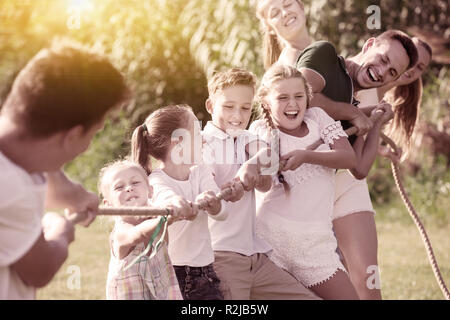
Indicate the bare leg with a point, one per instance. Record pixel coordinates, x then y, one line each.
357 239
339 287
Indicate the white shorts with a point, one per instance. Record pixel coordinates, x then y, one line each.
351 195
307 250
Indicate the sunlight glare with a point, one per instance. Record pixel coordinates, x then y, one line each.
81 5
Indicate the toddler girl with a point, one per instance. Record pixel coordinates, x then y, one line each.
298 225
171 135
133 275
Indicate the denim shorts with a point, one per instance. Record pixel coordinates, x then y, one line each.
198 283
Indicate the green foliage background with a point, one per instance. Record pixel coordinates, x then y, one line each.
168 48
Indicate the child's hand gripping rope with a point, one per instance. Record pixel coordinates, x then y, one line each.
294 159
206 201
231 191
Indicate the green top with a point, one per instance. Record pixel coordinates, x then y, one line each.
321 56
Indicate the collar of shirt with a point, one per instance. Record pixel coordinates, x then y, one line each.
344 67
211 132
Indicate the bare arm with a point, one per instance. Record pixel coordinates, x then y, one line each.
40 264
368 110
343 111
366 150
126 236
64 193
341 156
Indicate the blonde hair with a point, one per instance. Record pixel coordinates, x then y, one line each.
272 46
406 101
276 73
103 182
153 137
279 72
229 78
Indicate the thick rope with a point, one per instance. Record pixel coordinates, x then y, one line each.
418 223
144 211
149 211
163 223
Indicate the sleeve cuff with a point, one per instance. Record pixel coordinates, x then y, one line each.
223 213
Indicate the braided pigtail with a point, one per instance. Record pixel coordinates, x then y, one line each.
276 146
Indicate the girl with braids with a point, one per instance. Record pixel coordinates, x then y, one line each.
405 96
170 135
299 226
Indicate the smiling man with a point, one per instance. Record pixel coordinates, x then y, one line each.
335 80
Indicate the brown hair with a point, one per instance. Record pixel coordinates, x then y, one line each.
276 73
405 41
425 45
153 137
406 101
64 86
272 46
229 78
119 164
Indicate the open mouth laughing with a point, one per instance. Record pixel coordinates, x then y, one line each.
291 115
372 75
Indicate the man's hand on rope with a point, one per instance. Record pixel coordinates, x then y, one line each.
387 152
55 226
81 206
84 208
388 114
361 122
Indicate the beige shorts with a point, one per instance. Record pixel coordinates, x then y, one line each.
256 277
351 195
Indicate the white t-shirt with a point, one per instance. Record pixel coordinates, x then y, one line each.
189 241
238 232
22 201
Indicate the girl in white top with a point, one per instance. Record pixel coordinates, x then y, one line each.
295 215
171 135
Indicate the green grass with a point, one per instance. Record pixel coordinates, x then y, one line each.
90 252
405 271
